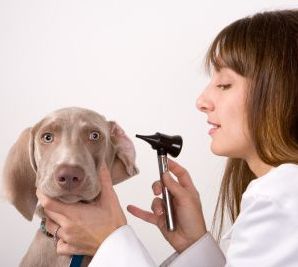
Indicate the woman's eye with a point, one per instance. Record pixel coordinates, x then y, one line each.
94 136
224 86
47 137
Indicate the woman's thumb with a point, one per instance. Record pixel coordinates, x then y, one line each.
105 179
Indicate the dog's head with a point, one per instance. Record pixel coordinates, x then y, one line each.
62 154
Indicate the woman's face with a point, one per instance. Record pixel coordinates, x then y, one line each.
224 103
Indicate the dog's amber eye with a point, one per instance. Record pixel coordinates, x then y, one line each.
94 136
47 138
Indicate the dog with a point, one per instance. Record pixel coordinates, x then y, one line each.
61 155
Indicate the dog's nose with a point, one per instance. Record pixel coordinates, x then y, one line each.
69 177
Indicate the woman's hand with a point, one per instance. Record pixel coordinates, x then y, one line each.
190 223
83 227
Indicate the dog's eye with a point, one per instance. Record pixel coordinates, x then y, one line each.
47 138
94 136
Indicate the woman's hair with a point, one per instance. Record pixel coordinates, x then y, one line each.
264 49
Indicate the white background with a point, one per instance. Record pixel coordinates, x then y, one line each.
137 62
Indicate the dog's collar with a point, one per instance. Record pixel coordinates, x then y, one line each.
76 260
43 228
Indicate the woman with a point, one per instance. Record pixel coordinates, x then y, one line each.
251 103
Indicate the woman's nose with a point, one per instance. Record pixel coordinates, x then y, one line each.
204 104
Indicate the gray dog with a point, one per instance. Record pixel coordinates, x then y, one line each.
61 155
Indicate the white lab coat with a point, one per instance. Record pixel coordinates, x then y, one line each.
264 234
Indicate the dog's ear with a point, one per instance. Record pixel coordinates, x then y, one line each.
123 165
20 176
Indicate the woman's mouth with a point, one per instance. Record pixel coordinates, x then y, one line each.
214 128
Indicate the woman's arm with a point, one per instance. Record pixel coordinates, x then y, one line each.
264 234
122 248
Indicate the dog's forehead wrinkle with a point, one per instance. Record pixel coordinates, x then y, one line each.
48 122
78 116
75 112
94 125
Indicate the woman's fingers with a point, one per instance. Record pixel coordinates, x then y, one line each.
68 249
64 248
51 226
143 214
53 208
49 203
56 217
157 188
181 173
157 206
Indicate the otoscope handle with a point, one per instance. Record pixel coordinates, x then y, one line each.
163 167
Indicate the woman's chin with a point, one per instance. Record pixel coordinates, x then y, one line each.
219 150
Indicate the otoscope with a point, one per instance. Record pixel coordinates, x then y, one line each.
165 144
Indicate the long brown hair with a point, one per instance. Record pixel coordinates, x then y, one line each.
264 49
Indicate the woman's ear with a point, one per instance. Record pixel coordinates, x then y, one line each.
123 165
19 175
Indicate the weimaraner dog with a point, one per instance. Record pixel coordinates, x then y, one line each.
61 155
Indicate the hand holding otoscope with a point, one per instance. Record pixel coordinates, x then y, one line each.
165 144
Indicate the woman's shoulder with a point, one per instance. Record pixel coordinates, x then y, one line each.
280 185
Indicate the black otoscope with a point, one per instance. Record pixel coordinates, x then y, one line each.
165 144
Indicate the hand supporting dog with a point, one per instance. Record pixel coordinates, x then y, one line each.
83 227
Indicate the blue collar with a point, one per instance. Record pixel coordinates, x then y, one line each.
76 260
